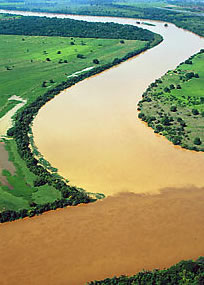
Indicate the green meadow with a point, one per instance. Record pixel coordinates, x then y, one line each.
21 193
31 65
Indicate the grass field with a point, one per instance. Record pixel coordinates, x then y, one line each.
174 105
21 193
29 66
24 68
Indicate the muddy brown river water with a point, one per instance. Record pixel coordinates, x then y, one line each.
91 133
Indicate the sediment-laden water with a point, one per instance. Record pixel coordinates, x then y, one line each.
92 135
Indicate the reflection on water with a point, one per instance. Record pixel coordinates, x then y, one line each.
91 132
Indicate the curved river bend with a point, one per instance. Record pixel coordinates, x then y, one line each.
99 144
91 132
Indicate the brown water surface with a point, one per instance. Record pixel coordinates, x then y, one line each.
120 235
92 134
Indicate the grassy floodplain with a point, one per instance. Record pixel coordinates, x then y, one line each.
30 67
174 104
28 61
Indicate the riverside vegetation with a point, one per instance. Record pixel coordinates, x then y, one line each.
189 272
174 104
186 14
34 188
184 272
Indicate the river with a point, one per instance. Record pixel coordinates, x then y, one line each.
99 144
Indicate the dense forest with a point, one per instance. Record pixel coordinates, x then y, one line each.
183 18
185 272
42 26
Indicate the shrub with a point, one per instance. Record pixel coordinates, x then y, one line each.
172 86
166 89
195 112
96 61
176 140
79 55
173 108
159 128
197 141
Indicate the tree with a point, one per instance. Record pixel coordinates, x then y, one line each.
59 52
173 108
195 112
96 61
197 141
165 121
11 132
172 86
176 140
79 55
166 89
188 61
159 128
44 84
48 59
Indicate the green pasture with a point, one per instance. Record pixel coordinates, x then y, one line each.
21 193
26 62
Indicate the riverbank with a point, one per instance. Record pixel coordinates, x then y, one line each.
186 272
173 105
129 233
40 177
112 151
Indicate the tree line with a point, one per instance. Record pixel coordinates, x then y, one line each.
184 272
43 26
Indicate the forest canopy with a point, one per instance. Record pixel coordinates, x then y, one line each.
42 26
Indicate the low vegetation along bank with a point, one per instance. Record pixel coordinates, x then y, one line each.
44 189
174 104
185 272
